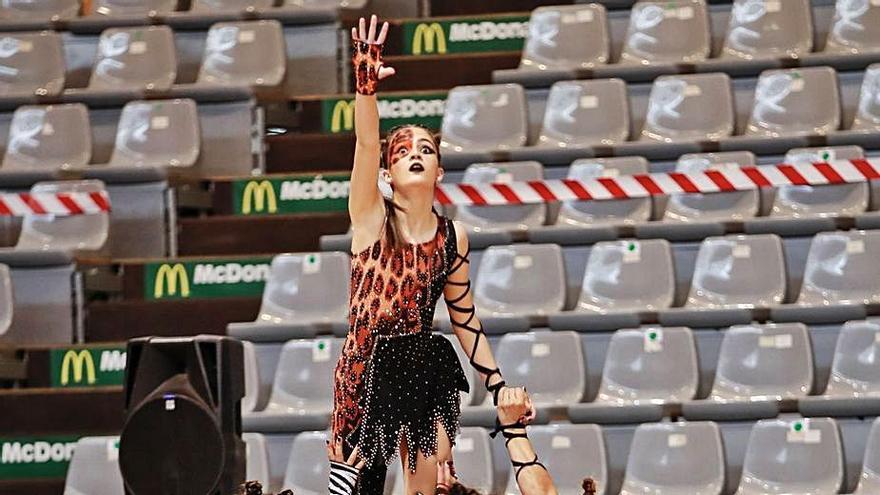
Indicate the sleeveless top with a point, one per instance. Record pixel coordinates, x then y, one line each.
393 295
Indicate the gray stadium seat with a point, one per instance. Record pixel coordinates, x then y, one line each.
308 469
586 113
229 5
824 201
94 468
519 280
644 369
567 37
132 8
615 273
869 481
31 64
549 364
557 445
43 297
615 212
677 108
842 268
249 53
302 391
868 113
774 28
70 233
6 300
738 271
135 58
792 102
344 4
854 370
793 456
251 400
697 207
39 10
675 459
480 118
473 459
507 217
257 457
157 133
650 365
306 293
732 275
757 366
667 32
49 137
855 27
854 384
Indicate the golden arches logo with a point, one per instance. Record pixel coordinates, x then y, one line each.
429 35
343 116
169 277
79 362
260 195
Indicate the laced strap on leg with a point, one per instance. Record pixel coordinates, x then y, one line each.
467 324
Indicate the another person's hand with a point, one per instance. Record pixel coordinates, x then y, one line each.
515 406
335 454
367 60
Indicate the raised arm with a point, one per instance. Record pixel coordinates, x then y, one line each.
365 200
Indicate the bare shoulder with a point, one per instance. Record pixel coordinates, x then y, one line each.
461 236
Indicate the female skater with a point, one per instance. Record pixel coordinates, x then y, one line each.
396 384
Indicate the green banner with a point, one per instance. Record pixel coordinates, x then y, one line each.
465 35
35 456
97 366
206 279
337 114
293 194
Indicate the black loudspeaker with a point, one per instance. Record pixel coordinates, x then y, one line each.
182 431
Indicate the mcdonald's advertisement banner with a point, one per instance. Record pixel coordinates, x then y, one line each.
337 114
87 366
44 456
206 279
293 194
465 35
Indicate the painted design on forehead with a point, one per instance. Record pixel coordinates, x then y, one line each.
402 139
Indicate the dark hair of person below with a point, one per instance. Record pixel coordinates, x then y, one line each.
392 229
255 488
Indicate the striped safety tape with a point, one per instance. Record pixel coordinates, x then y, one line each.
726 179
58 204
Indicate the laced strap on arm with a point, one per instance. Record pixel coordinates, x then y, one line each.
467 324
510 433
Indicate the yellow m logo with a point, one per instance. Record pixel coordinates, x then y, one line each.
169 276
77 360
262 195
428 35
343 116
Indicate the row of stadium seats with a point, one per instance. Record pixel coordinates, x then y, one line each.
692 215
630 376
724 280
781 108
658 36
789 454
145 59
156 133
202 135
281 50
661 458
60 10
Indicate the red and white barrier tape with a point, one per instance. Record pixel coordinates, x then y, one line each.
646 185
58 204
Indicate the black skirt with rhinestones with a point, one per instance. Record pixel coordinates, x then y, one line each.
413 385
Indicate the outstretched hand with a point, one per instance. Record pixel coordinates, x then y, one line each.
370 37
